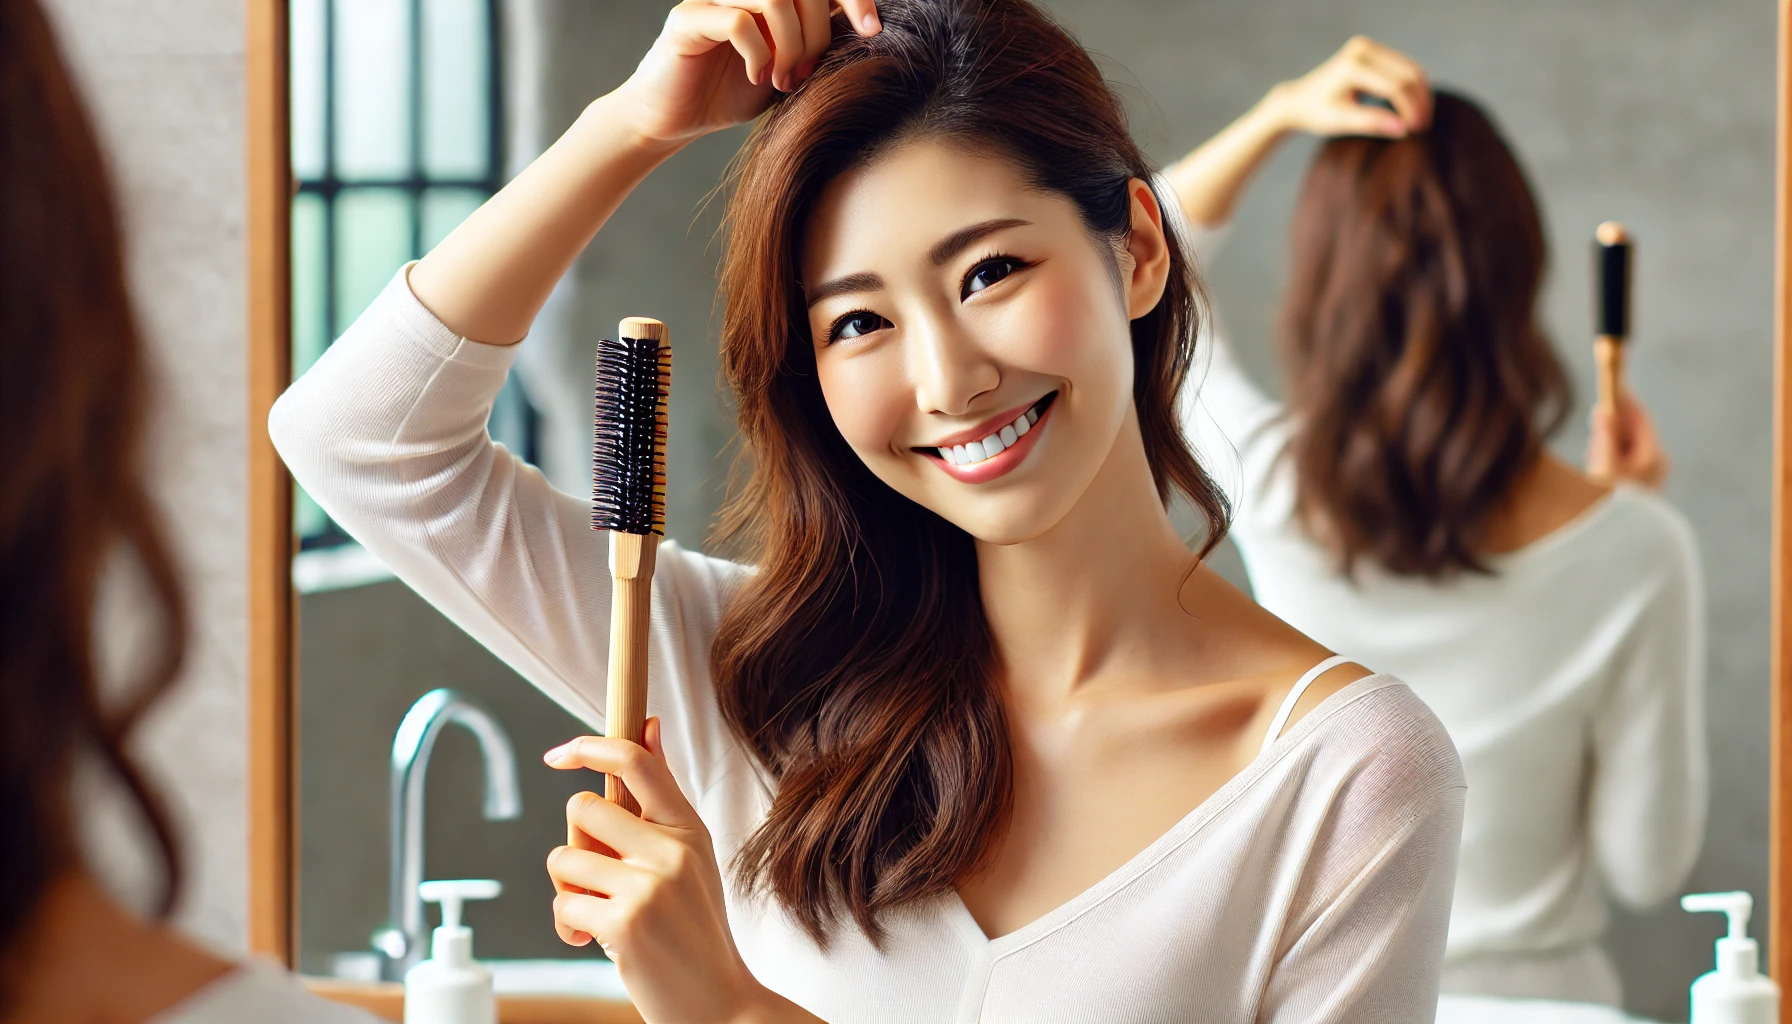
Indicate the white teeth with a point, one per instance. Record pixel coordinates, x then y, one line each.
995 444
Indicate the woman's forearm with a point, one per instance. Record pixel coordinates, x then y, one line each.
1210 180
490 277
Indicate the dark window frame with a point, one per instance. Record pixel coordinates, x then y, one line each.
328 188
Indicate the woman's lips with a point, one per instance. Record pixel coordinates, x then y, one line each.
1006 460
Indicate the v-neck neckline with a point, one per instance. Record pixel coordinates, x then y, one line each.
1154 852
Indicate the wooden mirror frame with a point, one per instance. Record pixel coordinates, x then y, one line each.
272 786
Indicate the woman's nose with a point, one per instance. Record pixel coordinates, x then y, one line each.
949 368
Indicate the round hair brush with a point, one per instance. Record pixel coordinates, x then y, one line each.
634 380
1611 309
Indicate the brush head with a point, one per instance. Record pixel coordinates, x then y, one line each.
634 380
1611 270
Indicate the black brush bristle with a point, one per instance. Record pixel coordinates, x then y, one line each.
628 483
1611 305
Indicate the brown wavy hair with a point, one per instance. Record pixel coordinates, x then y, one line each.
856 664
1421 385
73 404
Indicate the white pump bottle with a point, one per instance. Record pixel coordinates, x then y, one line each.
451 987
1736 992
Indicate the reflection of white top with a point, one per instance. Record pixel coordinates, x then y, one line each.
1314 886
1571 681
264 994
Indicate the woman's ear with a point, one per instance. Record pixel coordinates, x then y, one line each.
1149 249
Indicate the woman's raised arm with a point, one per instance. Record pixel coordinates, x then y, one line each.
1327 100
715 64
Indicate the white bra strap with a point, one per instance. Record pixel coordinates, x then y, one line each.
1293 698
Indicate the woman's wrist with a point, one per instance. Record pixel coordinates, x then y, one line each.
611 119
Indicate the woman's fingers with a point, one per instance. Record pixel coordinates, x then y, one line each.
1396 90
576 870
818 31
786 31
701 25
582 872
585 918
1408 79
610 825
863 15
646 775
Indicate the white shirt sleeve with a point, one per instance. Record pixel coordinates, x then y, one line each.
1651 769
1370 948
387 432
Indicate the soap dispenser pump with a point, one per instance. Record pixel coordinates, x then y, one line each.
451 987
1735 992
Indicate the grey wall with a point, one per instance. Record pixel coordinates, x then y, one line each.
1649 111
164 79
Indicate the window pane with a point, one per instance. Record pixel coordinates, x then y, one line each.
512 419
373 89
307 518
444 209
373 239
456 89
309 331
307 83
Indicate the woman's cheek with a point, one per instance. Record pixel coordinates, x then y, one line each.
865 398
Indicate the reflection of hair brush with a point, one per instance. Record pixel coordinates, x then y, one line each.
1611 308
634 380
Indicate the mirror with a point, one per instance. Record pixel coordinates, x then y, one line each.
405 114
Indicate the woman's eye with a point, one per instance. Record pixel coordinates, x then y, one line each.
856 325
987 273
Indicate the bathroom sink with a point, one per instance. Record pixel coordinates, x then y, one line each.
1484 1010
593 978
556 977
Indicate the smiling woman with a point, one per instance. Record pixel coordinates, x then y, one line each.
977 717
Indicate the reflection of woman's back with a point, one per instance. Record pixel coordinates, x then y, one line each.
1405 512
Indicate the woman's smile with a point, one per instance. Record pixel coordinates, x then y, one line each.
993 449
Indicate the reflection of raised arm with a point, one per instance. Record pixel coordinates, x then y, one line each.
1324 101
710 68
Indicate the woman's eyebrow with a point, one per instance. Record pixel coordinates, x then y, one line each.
963 238
860 282
942 250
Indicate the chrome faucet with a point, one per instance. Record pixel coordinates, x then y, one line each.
403 940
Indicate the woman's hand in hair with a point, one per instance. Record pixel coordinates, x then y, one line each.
1624 446
653 898
717 62
1210 180
1328 99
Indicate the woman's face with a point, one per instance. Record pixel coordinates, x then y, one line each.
971 338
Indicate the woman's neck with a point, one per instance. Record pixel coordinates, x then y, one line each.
86 960
1082 600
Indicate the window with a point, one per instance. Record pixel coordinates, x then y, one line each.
396 137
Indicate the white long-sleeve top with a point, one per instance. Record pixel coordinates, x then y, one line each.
1571 680
1312 887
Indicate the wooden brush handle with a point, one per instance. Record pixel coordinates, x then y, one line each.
631 570
1608 352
